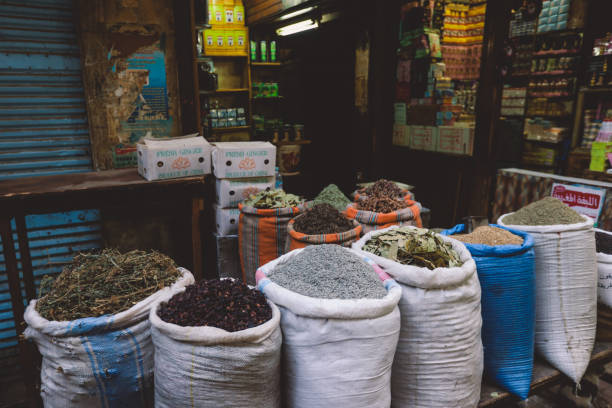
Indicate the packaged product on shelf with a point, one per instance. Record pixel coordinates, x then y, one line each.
238 13
243 159
231 192
219 358
94 320
506 270
455 139
440 292
173 157
566 282
324 325
226 219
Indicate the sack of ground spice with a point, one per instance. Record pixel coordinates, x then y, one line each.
603 241
378 213
105 359
322 224
566 282
340 326
217 344
506 270
438 362
262 230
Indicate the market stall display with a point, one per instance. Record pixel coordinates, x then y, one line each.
329 297
506 271
566 282
322 224
217 343
262 228
100 353
438 362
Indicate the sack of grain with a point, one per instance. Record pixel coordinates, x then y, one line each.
104 361
507 277
337 352
604 267
371 220
438 362
262 235
301 240
210 367
566 293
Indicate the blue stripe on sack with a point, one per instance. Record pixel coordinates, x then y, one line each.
116 368
139 358
263 283
94 369
89 325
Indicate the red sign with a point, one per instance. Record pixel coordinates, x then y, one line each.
584 200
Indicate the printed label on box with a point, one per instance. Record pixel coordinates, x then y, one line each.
456 140
583 200
423 137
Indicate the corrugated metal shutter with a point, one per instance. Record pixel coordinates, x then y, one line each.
43 121
43 131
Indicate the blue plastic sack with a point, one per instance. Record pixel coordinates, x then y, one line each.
507 278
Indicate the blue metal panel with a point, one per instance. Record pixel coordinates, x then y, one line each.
43 131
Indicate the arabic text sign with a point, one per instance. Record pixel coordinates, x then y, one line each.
583 200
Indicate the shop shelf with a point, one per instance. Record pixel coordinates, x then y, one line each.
225 90
230 129
273 98
553 73
206 57
266 64
292 142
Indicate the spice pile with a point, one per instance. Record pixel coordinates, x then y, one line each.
603 242
227 304
109 282
332 195
322 219
382 188
492 236
414 246
381 204
547 211
273 199
329 272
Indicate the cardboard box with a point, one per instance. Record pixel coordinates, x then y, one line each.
401 135
173 157
243 159
226 220
423 137
454 139
231 192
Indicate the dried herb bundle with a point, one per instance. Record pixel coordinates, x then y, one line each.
273 199
381 204
109 282
414 246
382 188
322 219
226 304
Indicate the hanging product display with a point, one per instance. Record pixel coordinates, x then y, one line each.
565 263
328 330
435 365
217 343
506 272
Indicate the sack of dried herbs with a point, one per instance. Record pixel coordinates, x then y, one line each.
566 282
506 271
386 213
262 232
438 362
217 344
324 225
603 240
340 326
105 359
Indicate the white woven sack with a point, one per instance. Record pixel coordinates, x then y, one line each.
439 360
604 272
104 361
211 367
336 352
566 293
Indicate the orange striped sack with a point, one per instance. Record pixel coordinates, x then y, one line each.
371 220
262 235
300 240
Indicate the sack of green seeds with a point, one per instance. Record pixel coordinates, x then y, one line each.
439 357
104 361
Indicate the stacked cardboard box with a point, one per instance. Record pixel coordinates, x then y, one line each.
164 158
241 169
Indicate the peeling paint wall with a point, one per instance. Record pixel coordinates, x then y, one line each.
114 35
